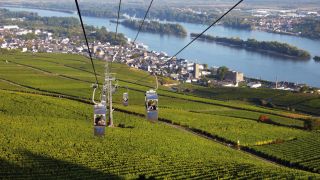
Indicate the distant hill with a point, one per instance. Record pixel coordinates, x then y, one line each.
184 3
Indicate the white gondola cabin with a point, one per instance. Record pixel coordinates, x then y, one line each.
151 100
125 99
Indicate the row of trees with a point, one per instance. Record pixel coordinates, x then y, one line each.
309 27
106 13
173 14
170 14
156 27
312 124
269 46
105 36
239 23
309 124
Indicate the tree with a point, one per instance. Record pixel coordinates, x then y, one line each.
304 89
222 71
29 36
312 124
206 66
317 58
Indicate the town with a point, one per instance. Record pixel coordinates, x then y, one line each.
137 56
280 20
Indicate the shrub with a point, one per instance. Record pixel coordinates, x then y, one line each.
312 124
264 118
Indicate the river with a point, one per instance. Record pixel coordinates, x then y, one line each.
252 64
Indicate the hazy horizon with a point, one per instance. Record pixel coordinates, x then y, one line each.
184 3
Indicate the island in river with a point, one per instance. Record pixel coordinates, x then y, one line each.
273 47
156 27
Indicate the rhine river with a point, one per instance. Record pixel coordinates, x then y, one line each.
252 64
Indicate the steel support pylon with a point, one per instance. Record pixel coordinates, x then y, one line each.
108 92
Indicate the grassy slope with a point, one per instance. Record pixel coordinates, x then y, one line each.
308 103
68 63
53 138
225 119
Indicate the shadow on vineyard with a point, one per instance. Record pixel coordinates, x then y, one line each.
44 167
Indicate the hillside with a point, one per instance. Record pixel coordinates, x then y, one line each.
306 103
46 129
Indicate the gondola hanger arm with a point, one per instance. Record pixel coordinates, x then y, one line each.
95 86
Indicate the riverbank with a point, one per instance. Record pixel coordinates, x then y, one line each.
155 27
40 8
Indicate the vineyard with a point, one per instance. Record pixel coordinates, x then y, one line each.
308 103
301 151
42 136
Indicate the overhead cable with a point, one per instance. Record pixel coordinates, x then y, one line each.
87 43
119 9
141 25
199 35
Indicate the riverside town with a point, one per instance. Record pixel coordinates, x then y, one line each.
139 57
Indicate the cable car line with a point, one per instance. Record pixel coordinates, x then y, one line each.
99 107
141 79
116 35
151 96
141 25
87 43
199 35
119 9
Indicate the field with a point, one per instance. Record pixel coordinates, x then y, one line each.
41 135
306 103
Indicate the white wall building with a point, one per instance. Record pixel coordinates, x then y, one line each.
10 27
24 49
254 85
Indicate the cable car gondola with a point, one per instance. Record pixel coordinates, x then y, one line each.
100 111
151 100
125 99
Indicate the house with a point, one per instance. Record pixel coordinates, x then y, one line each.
188 81
65 41
36 32
205 73
24 32
254 85
234 76
229 84
174 76
4 45
196 70
10 27
24 50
